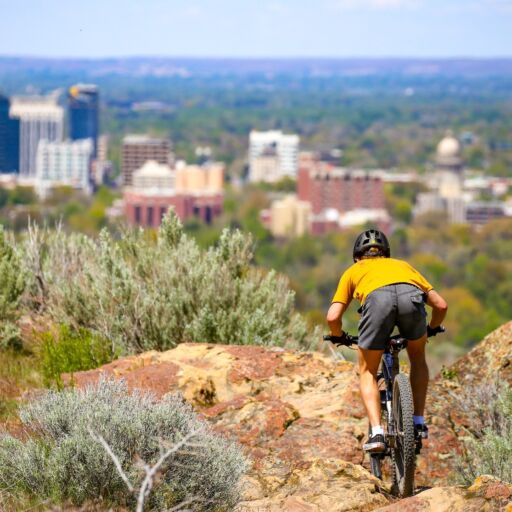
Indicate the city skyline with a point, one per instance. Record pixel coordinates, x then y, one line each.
270 28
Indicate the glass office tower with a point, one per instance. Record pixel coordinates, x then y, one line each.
9 139
84 113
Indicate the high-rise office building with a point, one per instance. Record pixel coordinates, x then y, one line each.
9 139
63 163
137 150
83 104
272 155
40 118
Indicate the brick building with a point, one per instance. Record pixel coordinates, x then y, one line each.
146 209
137 150
329 187
157 188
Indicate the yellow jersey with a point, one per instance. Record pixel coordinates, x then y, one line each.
366 275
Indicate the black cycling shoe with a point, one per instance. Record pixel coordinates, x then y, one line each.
375 444
420 433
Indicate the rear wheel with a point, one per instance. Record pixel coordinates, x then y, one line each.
403 453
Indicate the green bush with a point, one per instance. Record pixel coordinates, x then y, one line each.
63 462
71 351
12 286
488 449
143 294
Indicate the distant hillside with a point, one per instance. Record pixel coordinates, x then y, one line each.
174 66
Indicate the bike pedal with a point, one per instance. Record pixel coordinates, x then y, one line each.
421 432
374 448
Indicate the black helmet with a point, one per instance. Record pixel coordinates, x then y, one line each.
368 239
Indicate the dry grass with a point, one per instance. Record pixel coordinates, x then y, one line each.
19 373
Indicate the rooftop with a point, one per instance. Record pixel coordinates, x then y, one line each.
142 139
35 106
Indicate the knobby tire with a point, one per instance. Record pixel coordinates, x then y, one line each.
403 455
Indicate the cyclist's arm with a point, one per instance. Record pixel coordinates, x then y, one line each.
334 316
439 308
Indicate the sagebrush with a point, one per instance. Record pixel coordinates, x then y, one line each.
62 462
488 446
12 286
140 293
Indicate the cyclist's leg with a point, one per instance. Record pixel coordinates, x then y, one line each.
369 361
411 321
375 326
419 373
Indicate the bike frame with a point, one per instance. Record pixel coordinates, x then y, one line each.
390 368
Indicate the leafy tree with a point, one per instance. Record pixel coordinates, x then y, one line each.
22 195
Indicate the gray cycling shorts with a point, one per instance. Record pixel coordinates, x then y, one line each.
401 305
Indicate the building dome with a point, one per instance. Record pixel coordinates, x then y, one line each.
152 169
154 175
449 147
449 151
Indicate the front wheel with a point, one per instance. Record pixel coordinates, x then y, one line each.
403 453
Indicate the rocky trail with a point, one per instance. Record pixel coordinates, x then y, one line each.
300 418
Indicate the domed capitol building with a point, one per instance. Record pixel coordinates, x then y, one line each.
447 192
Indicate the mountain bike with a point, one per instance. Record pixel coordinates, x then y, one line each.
397 409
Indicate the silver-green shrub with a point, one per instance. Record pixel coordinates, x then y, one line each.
61 462
144 294
12 286
488 446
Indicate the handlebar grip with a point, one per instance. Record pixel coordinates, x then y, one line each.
345 340
433 331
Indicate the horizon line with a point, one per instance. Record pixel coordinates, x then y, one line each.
261 57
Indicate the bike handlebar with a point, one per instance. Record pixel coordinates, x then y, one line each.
347 339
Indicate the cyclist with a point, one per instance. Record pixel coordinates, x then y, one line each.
392 293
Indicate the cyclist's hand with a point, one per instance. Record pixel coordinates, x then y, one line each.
432 331
343 340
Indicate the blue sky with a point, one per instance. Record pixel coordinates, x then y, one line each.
256 28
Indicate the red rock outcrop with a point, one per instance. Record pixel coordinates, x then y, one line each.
298 414
487 494
489 361
300 417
